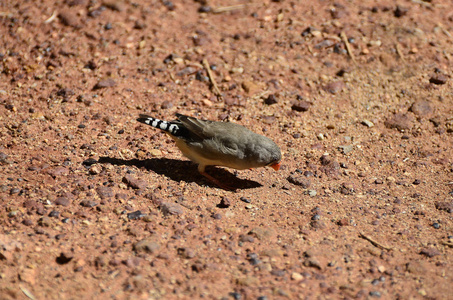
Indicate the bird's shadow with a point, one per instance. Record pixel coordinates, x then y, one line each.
183 170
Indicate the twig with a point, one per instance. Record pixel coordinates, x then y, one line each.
27 293
445 31
228 8
400 52
52 17
375 243
348 47
423 3
211 78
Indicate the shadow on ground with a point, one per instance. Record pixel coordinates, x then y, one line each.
183 170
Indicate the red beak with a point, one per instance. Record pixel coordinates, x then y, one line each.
276 166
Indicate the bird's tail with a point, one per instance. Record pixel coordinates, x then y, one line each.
170 127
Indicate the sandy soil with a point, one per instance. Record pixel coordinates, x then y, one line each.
358 95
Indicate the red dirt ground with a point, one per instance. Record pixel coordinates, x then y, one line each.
358 95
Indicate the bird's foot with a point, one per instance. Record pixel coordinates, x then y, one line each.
217 182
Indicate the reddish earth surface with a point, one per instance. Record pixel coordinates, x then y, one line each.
358 95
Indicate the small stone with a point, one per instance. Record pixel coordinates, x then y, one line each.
104 83
63 201
244 199
155 152
301 105
68 18
334 87
367 123
438 79
297 276
169 208
416 267
271 99
345 149
400 11
134 182
430 252
166 104
104 192
45 222
58 171
261 233
312 263
88 203
95 169
343 222
89 162
224 203
186 252
422 108
301 181
136 215
114 5
147 245
249 87
28 275
446 206
399 121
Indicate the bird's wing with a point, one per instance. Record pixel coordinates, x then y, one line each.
195 126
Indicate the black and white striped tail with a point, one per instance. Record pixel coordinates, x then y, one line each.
169 127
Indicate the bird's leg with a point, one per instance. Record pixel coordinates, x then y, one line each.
201 169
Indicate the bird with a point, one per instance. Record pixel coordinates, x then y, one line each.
213 143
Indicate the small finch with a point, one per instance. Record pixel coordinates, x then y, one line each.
210 143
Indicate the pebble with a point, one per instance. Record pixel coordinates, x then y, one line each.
88 203
271 99
27 222
367 123
436 225
400 11
186 252
399 121
169 208
58 171
246 200
134 182
438 79
297 276
54 214
68 18
89 162
301 181
104 83
147 245
345 149
224 203
45 222
312 263
95 169
446 206
135 215
422 108
301 105
103 192
430 252
334 87
63 201
249 86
